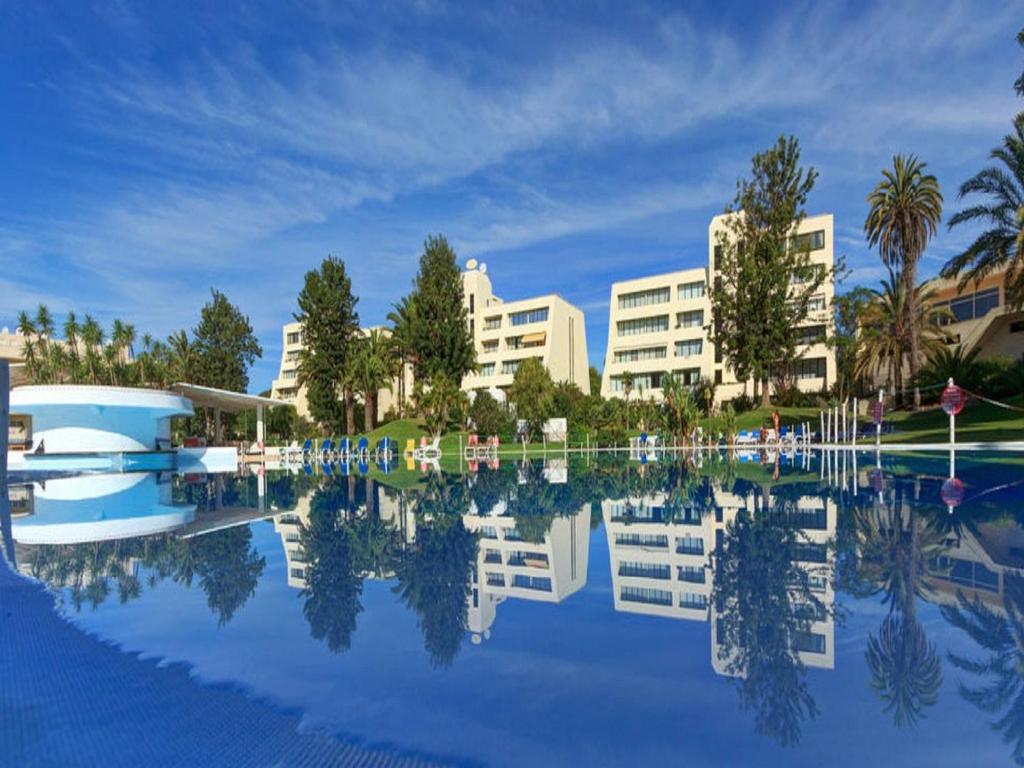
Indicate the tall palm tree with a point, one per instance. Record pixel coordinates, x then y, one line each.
71 331
1001 246
627 388
1000 691
403 329
29 351
886 325
92 338
371 373
905 209
181 355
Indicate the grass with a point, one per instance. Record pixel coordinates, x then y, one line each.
979 422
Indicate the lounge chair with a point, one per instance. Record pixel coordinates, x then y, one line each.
326 449
363 447
307 447
428 451
410 447
344 449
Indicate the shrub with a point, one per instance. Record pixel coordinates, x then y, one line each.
489 416
742 403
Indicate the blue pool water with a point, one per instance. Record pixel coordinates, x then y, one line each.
595 613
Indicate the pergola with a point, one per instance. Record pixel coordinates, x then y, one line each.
225 401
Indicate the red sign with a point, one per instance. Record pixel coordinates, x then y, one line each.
953 400
878 412
952 492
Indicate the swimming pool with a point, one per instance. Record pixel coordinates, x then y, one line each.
593 612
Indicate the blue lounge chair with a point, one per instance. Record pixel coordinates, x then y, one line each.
326 449
363 447
384 465
308 468
344 448
327 469
307 447
363 467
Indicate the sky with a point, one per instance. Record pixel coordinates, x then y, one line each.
152 151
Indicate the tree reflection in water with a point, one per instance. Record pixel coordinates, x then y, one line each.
762 605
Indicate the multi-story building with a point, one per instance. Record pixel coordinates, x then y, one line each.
980 317
662 324
547 328
286 386
662 567
508 566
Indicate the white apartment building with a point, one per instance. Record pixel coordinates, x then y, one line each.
547 328
507 566
662 324
286 386
661 568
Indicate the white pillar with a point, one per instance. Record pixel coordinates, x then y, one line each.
845 433
952 421
6 533
878 426
261 429
824 439
854 415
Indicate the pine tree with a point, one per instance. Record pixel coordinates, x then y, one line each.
442 343
330 326
225 345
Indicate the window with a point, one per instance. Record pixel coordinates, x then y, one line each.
645 353
293 337
690 290
971 306
809 241
488 532
641 381
645 298
716 255
688 376
487 369
693 600
689 348
291 357
808 552
813 368
718 376
511 366
811 334
692 319
645 570
654 540
808 642
816 303
298 573
491 345
529 316
492 323
643 325
472 303
289 375
644 595
539 583
689 545
495 580
692 574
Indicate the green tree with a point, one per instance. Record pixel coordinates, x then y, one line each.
225 345
438 402
764 277
905 209
330 327
1001 245
595 382
443 344
848 310
681 406
433 580
371 371
227 567
532 394
404 327
489 416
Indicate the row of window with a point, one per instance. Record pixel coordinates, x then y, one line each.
293 337
645 353
971 306
631 594
653 379
529 316
809 241
643 325
662 295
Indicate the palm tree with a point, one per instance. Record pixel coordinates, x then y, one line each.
906 672
627 388
905 209
371 373
886 328
181 356
92 338
403 329
44 333
71 340
1001 246
1002 671
28 330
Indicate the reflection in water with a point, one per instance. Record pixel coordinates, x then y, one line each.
765 556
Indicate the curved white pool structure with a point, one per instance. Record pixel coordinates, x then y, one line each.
90 419
90 508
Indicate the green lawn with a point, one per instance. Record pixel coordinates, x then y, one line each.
979 422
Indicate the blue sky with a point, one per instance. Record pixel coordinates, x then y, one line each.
152 151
